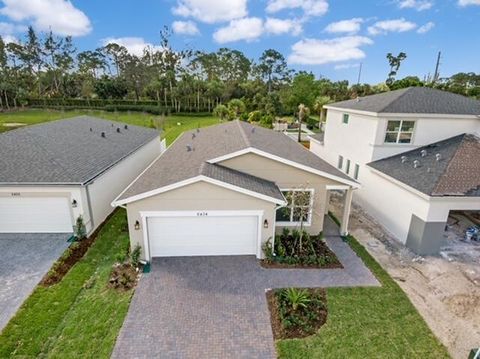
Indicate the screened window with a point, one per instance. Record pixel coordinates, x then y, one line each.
340 162
298 208
346 117
347 169
355 172
399 131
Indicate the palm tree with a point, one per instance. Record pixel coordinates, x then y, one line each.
321 101
303 113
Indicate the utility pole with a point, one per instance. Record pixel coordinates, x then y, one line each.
437 67
359 73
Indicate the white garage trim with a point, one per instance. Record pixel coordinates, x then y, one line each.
199 213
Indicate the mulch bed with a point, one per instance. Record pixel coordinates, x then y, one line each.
124 277
281 332
76 251
321 249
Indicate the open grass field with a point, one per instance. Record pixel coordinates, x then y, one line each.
174 125
368 323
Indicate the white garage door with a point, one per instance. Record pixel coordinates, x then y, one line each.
202 236
35 215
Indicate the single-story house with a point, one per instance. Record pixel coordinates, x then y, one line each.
431 181
52 173
226 190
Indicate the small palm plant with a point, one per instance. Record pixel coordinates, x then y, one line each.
296 298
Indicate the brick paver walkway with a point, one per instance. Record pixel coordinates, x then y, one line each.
215 307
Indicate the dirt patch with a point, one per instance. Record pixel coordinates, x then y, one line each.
445 289
315 314
124 277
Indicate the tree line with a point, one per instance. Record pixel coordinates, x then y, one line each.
44 66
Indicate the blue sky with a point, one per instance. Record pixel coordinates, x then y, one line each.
328 37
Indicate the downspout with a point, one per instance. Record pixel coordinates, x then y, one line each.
89 205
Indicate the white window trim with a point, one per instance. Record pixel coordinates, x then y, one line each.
400 132
310 214
152 214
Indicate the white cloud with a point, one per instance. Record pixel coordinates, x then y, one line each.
351 26
318 52
279 26
468 2
426 28
310 7
418 5
9 38
134 45
211 11
397 25
58 15
248 29
185 28
9 29
345 66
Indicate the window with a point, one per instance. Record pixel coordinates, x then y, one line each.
399 131
347 169
340 162
355 172
298 208
346 117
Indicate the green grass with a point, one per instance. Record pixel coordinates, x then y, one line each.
172 129
78 317
368 323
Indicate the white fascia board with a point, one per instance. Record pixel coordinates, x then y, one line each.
285 161
195 180
348 110
400 184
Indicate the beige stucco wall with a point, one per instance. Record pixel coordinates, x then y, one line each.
104 189
200 196
287 177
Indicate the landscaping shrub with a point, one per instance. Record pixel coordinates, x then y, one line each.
297 313
295 248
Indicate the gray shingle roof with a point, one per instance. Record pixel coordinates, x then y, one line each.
414 100
177 163
457 173
66 151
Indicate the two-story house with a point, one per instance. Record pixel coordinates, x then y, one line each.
416 153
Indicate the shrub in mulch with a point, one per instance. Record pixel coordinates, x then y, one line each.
72 255
124 276
293 250
297 313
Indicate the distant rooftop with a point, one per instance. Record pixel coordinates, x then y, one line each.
67 151
447 168
414 100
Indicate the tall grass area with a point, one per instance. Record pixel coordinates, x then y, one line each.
174 125
368 322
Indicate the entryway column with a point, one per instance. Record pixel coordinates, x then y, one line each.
346 211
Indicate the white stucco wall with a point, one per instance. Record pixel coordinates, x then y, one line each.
104 189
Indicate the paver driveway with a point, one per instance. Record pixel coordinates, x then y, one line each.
215 307
24 260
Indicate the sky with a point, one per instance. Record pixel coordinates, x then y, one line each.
330 38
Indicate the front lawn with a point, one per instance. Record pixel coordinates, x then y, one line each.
79 317
174 125
378 322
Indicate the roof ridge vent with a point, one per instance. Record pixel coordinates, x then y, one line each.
193 136
189 148
423 152
91 129
118 129
404 159
253 129
416 164
125 127
438 157
103 134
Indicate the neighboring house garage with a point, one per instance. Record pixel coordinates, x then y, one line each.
219 191
53 173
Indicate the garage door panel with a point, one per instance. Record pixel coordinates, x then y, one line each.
35 215
202 236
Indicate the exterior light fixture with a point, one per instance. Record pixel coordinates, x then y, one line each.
137 225
74 203
265 224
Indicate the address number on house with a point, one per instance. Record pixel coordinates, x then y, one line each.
202 214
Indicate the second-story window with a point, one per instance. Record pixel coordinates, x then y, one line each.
356 170
347 169
346 117
399 131
340 162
